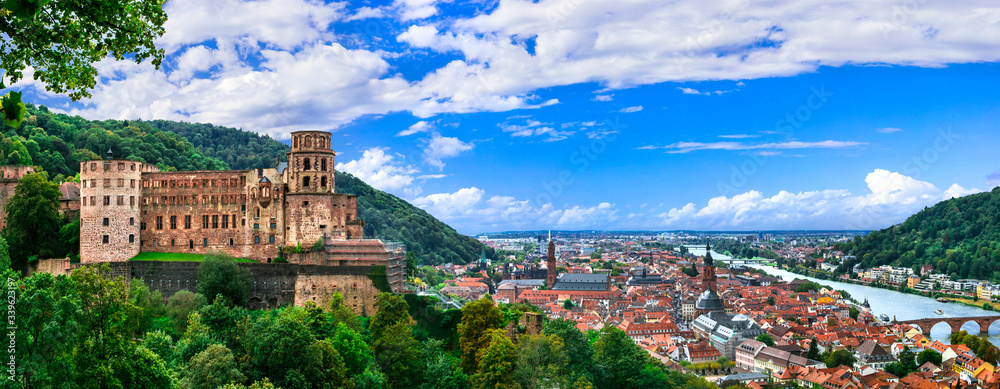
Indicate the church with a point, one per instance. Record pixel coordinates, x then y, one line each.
723 330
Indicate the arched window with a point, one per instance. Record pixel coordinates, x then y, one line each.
322 142
257 212
305 182
295 142
322 182
265 192
308 142
322 164
307 164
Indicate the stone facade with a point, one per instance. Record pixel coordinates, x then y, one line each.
129 206
9 176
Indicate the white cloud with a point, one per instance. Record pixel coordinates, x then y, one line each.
416 9
892 197
636 108
366 13
889 130
739 136
603 97
692 91
532 128
440 147
421 126
686 147
382 171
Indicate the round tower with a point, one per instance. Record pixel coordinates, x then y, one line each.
110 197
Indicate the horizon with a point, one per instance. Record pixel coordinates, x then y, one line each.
751 118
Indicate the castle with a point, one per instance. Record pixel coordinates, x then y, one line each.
130 206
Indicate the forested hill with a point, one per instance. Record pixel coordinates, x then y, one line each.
960 237
57 143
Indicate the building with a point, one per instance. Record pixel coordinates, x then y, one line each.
9 177
131 206
871 354
723 330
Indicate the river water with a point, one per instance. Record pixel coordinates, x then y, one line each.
902 306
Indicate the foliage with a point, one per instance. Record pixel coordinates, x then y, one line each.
541 362
577 347
959 237
219 275
690 271
33 219
620 360
979 345
180 305
398 355
352 347
496 362
478 318
766 339
840 357
929 355
442 370
210 369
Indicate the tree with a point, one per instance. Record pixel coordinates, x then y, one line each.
496 363
541 362
371 378
568 304
929 355
813 352
442 370
398 355
61 40
180 305
219 274
853 312
766 339
210 369
352 347
770 300
392 309
33 219
619 358
839 358
108 323
577 347
478 318
48 320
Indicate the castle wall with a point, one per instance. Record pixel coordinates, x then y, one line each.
109 209
9 177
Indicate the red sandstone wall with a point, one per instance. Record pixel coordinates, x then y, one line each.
9 176
110 190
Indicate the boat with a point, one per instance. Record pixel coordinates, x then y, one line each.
884 317
943 300
939 312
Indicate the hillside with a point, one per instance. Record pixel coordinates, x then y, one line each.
58 142
960 237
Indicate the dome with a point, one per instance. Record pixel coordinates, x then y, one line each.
709 301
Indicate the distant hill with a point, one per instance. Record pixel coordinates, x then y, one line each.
57 143
960 237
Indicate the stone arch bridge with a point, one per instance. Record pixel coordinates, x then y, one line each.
954 322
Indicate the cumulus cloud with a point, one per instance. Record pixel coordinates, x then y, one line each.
421 126
531 128
636 108
440 147
890 199
603 97
383 171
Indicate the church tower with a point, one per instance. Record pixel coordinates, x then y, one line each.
550 277
708 273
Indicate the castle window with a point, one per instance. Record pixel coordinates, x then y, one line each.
93 166
213 183
257 212
204 221
322 182
322 226
204 242
105 222
104 239
244 223
305 182
305 203
121 200
295 142
225 221
133 168
234 221
309 142
243 208
131 201
173 223
93 183
107 182
187 222
256 240
121 182
164 198
173 183
256 226
159 222
121 165
131 221
215 221
107 200
306 164
191 244
163 183
274 225
230 241
171 243
93 201
131 184
131 238
142 226
322 164
271 239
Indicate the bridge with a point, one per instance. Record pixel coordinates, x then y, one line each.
954 322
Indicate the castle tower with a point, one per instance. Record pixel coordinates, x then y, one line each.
313 211
310 163
110 197
550 276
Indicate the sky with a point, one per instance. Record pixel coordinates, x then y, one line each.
599 114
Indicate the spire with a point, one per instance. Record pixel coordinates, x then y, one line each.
550 235
708 254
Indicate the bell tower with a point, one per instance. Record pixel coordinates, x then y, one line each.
550 276
310 163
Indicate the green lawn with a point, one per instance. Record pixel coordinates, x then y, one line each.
176 257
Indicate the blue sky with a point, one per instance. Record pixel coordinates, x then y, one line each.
564 114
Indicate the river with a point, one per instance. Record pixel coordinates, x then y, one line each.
902 306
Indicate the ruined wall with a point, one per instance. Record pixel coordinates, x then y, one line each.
109 209
9 176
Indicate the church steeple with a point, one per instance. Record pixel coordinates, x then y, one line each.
550 276
708 273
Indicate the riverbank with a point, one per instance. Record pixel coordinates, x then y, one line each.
823 275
